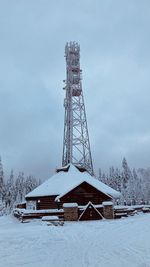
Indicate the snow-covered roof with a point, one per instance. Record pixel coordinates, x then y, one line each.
63 182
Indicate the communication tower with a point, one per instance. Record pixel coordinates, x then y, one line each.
76 145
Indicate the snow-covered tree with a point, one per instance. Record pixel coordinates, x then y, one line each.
131 188
2 184
118 180
20 187
111 177
30 184
10 191
133 185
144 184
99 174
104 178
126 173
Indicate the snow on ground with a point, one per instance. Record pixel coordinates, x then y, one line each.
108 243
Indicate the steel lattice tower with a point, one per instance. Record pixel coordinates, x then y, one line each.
76 145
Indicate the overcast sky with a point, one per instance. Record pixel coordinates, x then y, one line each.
114 36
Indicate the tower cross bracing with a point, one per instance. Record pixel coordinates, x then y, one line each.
76 145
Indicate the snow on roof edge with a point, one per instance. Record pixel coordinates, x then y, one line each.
64 193
63 182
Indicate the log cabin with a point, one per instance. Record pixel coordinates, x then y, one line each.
70 184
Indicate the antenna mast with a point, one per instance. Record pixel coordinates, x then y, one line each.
76 145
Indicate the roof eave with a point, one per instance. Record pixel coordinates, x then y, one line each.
62 195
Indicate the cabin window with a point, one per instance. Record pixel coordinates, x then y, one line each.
31 205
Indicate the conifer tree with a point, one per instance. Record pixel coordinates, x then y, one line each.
2 185
99 174
126 173
20 187
10 191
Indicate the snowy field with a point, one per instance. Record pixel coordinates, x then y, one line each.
115 243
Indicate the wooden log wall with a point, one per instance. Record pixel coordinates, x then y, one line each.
83 194
44 203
